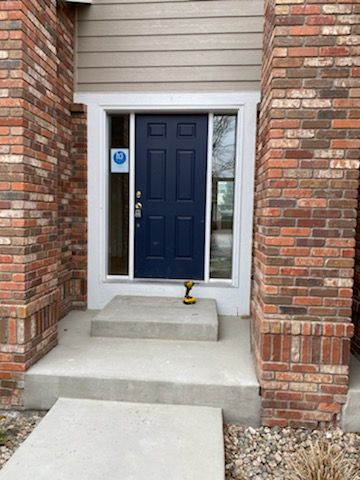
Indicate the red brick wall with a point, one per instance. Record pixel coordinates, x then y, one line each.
64 43
79 207
306 200
356 291
36 186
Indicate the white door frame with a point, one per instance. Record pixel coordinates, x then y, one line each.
233 297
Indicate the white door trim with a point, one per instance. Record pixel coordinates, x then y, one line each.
233 298
208 195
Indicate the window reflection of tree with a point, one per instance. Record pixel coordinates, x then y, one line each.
224 145
223 172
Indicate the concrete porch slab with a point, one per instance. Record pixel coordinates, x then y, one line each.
87 439
351 411
215 374
157 317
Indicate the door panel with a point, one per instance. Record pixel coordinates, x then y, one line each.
185 174
171 159
184 237
156 174
155 234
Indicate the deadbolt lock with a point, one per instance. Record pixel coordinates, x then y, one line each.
138 210
138 194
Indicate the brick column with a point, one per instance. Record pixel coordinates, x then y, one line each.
36 88
63 85
79 206
306 200
356 292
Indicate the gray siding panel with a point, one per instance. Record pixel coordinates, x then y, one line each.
168 74
169 59
164 43
187 45
173 26
190 9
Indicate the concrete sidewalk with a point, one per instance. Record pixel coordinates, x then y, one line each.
97 440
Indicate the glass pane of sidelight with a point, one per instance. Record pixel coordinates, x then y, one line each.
222 209
118 262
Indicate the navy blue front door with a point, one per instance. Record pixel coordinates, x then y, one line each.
170 183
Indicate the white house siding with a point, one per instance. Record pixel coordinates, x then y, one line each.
169 45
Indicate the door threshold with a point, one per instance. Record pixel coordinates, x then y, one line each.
168 281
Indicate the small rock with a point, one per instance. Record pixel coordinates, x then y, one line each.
262 453
14 429
277 457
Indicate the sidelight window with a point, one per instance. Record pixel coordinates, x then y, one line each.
118 253
222 202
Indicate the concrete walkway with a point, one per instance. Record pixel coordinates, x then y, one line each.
216 374
97 440
351 410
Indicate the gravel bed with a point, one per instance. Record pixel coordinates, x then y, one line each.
263 453
14 428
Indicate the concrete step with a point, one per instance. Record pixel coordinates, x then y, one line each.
97 440
215 374
350 417
157 317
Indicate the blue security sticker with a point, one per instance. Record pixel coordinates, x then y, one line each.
119 160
